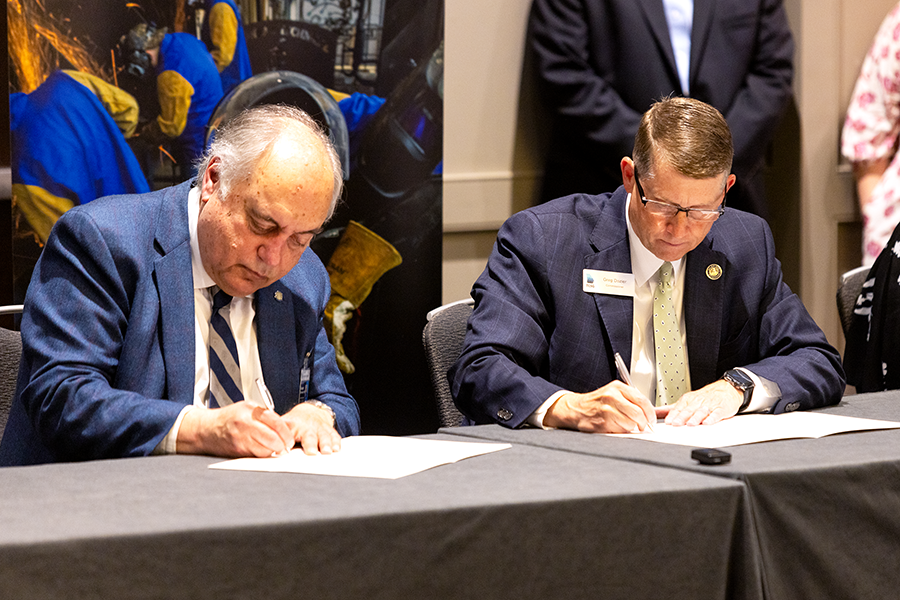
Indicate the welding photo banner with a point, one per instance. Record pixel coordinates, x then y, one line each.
115 97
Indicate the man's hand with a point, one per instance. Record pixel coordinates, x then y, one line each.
710 404
613 408
313 428
245 429
240 429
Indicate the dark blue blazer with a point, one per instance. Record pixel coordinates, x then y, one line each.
534 330
602 63
108 335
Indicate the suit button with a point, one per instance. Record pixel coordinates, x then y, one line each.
504 415
792 406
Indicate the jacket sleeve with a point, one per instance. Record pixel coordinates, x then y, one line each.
326 382
496 379
559 38
73 334
121 106
223 31
175 94
789 348
760 102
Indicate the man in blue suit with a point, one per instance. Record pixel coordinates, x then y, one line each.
573 282
116 328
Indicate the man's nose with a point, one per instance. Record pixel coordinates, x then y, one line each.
270 251
679 223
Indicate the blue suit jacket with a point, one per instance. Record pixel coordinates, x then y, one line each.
108 334
534 330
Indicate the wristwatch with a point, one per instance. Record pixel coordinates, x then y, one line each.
326 408
742 383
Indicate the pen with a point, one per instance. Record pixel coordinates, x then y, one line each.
626 377
265 393
623 370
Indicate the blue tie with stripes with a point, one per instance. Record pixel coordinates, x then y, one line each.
224 365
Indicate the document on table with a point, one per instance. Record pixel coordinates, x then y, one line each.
753 428
382 457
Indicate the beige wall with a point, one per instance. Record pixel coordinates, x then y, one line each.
491 161
492 149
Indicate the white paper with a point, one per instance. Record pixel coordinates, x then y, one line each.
382 457
752 428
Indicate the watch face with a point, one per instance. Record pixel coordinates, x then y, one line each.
738 379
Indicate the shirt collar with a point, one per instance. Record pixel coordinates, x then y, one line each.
644 264
201 277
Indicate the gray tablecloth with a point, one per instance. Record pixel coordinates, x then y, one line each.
827 510
525 522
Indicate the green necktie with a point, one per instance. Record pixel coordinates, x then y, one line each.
670 367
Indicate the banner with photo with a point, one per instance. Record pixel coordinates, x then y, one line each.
112 97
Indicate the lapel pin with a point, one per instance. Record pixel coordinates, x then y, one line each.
713 271
279 296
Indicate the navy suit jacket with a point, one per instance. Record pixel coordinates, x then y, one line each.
108 335
602 63
534 331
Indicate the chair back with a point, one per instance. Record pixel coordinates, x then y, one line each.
443 339
10 355
848 291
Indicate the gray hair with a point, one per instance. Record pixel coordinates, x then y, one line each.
690 136
244 140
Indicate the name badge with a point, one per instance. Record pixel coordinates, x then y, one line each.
607 282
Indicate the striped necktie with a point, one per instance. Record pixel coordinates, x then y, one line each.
224 365
670 368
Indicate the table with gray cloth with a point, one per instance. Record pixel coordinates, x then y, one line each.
827 510
525 522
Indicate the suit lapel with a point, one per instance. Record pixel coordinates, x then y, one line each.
610 243
703 17
277 342
175 286
655 15
703 301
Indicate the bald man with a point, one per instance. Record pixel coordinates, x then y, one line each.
121 335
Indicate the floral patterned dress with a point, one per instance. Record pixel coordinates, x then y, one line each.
871 132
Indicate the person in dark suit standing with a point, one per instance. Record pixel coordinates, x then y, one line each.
688 292
138 301
601 63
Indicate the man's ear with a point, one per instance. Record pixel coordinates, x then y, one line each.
627 168
732 178
210 181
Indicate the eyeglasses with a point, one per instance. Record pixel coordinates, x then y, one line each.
666 210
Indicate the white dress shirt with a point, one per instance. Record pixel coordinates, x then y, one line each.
645 266
239 313
680 18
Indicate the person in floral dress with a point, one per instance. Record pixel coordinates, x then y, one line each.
870 135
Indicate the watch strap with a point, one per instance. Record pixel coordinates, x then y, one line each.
741 383
323 406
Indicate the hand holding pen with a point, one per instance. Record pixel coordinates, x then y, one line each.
625 375
616 407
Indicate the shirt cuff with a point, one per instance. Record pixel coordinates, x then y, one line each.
765 393
167 444
536 418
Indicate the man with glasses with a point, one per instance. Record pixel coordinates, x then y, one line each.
688 293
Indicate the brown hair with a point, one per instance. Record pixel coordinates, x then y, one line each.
690 136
